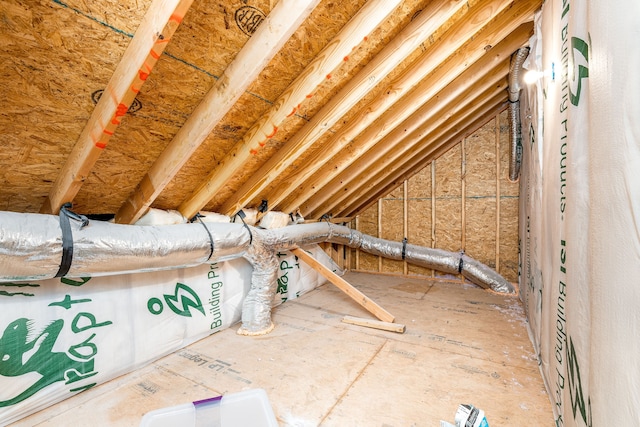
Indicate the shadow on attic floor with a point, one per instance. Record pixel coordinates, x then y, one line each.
462 345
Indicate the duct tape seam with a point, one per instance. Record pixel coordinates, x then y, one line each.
461 263
67 237
199 217
242 215
404 248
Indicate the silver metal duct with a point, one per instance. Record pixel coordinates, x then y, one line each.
515 133
437 259
256 319
31 246
31 249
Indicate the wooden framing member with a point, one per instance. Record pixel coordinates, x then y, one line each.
463 195
154 33
415 123
409 39
379 233
377 119
352 34
433 209
376 324
405 220
268 39
360 173
344 286
498 171
448 137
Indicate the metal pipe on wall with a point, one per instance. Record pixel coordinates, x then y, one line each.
513 112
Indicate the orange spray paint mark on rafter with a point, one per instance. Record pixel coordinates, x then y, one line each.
272 134
176 18
264 142
296 108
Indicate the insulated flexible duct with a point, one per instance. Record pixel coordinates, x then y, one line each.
256 319
515 132
31 248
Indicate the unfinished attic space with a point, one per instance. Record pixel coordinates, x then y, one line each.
319 213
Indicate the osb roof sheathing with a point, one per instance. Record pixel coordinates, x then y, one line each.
58 57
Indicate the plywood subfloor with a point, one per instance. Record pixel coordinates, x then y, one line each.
462 345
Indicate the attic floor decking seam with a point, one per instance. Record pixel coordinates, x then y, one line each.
355 380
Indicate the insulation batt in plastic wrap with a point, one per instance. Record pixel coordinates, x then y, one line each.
64 335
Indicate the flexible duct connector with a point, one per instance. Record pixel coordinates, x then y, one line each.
515 127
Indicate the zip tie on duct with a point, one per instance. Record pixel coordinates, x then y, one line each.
242 215
461 263
404 248
199 218
67 237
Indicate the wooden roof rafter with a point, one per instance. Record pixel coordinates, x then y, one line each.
154 33
423 120
382 114
352 34
268 39
369 179
396 120
457 127
401 46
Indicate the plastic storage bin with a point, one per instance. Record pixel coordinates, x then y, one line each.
243 409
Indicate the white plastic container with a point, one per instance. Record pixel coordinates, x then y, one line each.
246 408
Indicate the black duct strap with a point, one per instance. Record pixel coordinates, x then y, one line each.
404 248
242 215
211 244
461 263
67 237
